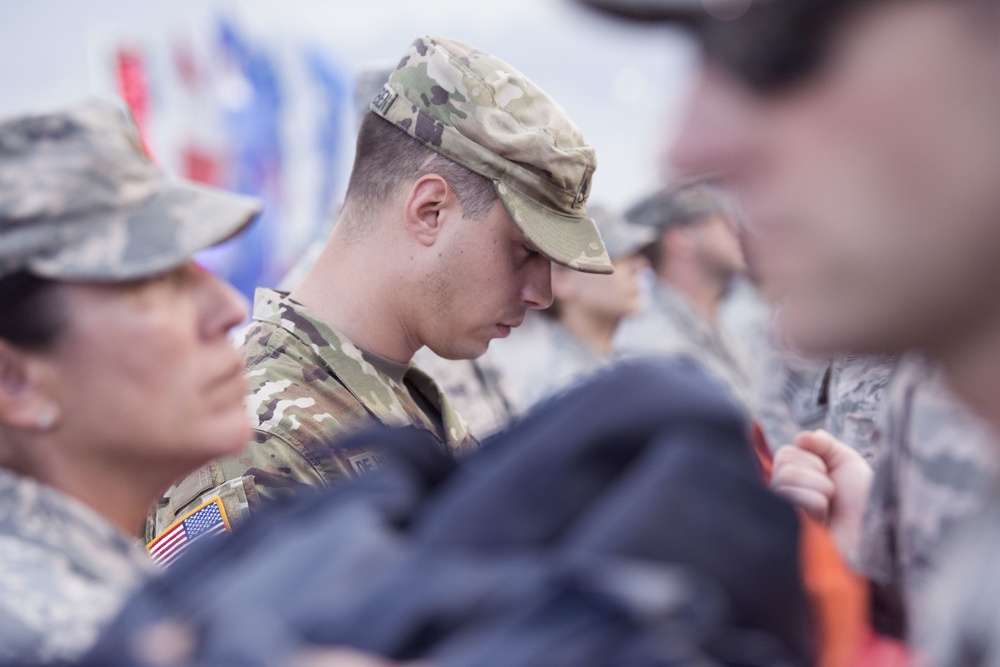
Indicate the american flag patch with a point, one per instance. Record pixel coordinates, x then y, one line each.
208 518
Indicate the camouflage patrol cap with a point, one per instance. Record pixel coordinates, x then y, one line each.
480 112
80 200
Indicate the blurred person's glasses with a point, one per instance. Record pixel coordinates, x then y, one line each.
775 43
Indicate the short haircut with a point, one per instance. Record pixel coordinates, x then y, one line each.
386 158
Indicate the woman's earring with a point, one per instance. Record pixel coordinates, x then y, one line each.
46 420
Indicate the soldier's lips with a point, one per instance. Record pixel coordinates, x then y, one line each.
505 329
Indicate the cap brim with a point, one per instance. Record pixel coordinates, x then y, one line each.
573 242
162 232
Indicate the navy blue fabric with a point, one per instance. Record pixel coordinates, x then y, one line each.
624 523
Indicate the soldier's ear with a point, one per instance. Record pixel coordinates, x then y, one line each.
24 403
427 206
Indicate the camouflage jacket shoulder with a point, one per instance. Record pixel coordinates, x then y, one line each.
308 387
64 573
959 620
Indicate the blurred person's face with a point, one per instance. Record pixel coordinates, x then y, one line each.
716 245
487 277
144 373
871 185
605 297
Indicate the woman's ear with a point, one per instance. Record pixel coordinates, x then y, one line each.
429 197
24 402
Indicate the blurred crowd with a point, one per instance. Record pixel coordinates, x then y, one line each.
749 419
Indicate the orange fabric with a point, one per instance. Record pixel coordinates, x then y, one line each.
838 597
759 443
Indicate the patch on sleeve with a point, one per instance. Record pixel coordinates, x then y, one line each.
209 518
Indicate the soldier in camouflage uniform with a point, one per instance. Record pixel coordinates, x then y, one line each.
696 256
468 182
118 373
572 339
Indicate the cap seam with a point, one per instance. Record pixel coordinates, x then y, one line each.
497 106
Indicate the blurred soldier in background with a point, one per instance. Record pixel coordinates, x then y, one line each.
468 182
861 139
695 257
572 339
116 374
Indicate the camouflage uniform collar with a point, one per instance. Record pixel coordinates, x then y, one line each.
343 358
351 365
397 370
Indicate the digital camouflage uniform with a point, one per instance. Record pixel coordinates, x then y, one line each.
791 394
308 386
937 463
670 326
958 622
842 395
855 393
64 572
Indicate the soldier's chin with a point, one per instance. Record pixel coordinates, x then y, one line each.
460 350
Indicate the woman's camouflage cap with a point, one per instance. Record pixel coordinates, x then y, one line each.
80 200
480 112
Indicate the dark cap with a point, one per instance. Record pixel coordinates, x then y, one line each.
80 200
680 205
673 10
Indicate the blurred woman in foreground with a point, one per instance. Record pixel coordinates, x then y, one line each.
116 374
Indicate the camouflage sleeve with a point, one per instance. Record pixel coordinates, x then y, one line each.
268 468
